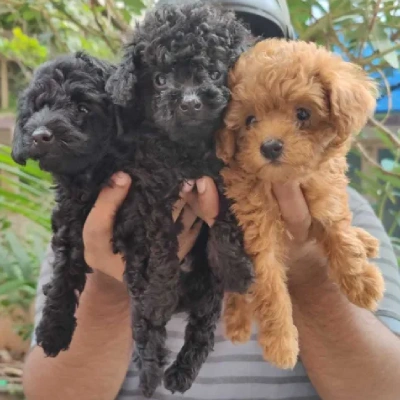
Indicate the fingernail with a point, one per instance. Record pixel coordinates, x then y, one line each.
120 179
201 185
187 186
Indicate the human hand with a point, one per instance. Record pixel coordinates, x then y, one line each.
98 228
306 262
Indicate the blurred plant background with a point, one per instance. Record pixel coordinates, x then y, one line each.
366 32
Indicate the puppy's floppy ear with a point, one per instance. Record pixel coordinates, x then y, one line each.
18 150
225 144
351 97
121 84
18 153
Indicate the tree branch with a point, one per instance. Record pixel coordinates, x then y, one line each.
370 160
101 29
392 136
379 54
370 26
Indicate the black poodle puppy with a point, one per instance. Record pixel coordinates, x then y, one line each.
174 73
66 122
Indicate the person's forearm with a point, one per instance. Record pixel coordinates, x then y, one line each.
95 365
347 352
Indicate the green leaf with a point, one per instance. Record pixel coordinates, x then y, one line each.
380 41
9 287
390 179
29 15
135 6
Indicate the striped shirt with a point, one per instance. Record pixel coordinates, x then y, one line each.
238 372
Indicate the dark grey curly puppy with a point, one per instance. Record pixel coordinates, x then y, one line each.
174 72
66 121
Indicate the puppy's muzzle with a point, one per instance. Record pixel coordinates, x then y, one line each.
190 105
42 140
42 136
272 149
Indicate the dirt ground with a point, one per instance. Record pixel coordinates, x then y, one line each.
12 353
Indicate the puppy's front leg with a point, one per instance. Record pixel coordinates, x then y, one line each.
202 296
360 280
227 256
347 247
272 309
55 330
159 302
237 317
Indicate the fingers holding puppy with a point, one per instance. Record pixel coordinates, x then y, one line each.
294 209
98 228
205 201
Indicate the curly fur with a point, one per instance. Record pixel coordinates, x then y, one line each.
270 85
189 49
80 159
92 138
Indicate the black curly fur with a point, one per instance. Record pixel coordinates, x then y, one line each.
78 159
192 46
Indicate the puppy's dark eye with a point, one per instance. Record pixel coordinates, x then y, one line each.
302 114
250 120
82 108
160 80
215 75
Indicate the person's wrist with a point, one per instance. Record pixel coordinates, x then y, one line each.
307 266
316 292
102 291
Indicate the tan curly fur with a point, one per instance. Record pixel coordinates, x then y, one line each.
271 82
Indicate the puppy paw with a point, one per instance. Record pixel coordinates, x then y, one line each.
370 243
238 332
279 349
366 289
177 379
237 319
150 379
54 335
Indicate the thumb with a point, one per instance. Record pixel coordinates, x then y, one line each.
204 203
294 209
100 221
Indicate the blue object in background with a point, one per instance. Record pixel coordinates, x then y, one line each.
393 78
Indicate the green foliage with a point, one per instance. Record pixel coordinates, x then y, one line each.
350 25
25 205
20 260
34 31
23 47
25 190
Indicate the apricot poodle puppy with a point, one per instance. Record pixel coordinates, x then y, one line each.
293 111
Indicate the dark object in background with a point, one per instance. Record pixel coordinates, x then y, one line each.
265 18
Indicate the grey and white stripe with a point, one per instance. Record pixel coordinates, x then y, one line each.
238 372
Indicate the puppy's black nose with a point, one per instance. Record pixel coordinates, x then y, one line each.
272 149
190 106
42 136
